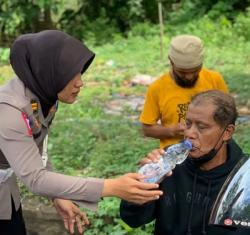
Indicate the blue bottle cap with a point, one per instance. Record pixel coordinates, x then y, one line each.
187 144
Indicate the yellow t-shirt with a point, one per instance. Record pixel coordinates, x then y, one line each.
168 102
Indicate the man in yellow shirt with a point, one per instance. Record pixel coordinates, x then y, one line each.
167 98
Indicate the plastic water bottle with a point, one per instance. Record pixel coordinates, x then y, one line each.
175 154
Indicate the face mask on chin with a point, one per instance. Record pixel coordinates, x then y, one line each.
206 157
210 155
184 82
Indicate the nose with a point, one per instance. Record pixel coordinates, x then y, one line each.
189 76
190 133
79 83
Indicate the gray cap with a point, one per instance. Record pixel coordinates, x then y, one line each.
186 51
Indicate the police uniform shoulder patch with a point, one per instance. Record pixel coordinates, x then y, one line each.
27 123
34 106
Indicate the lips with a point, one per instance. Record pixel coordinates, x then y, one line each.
194 147
75 93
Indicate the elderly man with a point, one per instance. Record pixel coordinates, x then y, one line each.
191 190
168 97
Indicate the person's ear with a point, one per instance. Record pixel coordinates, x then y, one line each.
229 130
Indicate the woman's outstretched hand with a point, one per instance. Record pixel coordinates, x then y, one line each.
72 216
130 187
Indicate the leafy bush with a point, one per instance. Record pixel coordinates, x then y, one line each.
146 30
187 10
241 25
242 136
106 221
93 31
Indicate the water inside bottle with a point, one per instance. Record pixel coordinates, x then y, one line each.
175 154
155 171
181 157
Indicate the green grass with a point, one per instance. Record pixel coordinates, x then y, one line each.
6 73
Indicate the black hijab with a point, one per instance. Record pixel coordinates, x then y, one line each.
46 61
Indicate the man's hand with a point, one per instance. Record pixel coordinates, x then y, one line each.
71 214
153 156
130 188
163 132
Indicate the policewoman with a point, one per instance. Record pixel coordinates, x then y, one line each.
48 67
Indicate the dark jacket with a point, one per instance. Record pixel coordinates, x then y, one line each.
188 196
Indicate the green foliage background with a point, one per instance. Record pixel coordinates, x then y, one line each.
86 20
86 141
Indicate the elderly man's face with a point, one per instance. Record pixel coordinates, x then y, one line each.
186 77
202 130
